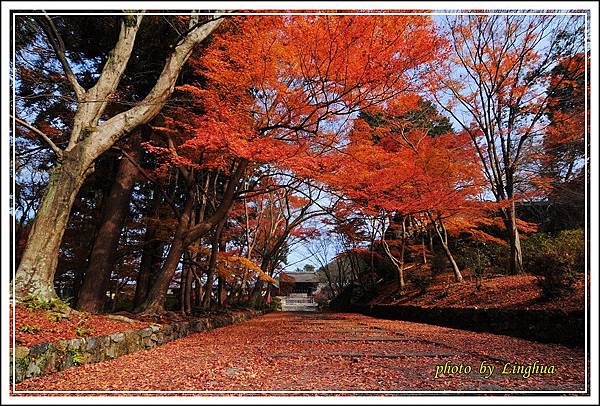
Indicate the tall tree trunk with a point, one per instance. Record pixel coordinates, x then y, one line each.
187 277
155 300
102 259
152 256
457 275
255 296
197 293
329 282
221 291
430 240
423 250
188 295
185 235
256 293
182 286
152 253
35 275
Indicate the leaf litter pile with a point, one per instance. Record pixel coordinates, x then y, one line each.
324 352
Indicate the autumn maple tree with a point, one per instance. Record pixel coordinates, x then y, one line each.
277 102
494 86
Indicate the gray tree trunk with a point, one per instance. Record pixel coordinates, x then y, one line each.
516 256
35 275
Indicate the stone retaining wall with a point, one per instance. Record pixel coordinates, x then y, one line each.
46 358
548 326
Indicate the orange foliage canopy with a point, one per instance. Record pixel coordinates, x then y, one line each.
409 173
283 89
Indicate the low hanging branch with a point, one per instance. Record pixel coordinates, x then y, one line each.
42 135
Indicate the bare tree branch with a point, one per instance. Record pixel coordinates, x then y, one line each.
47 140
59 48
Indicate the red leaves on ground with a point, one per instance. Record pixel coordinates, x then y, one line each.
323 352
518 291
50 330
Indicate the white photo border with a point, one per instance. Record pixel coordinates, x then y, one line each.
590 11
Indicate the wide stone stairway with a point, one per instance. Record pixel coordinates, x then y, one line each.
298 302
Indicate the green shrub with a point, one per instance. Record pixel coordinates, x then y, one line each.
52 316
482 256
419 280
555 260
33 302
76 356
30 329
82 331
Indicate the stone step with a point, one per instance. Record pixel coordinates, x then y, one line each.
298 301
302 294
292 302
299 304
299 308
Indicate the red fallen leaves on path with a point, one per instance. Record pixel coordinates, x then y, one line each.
39 326
275 353
505 291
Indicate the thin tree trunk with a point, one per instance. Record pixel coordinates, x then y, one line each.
102 259
329 282
154 302
212 265
198 293
444 241
182 286
398 264
516 256
423 248
188 292
256 293
430 237
185 235
255 296
402 250
151 261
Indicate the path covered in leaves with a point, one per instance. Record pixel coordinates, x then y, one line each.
325 352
